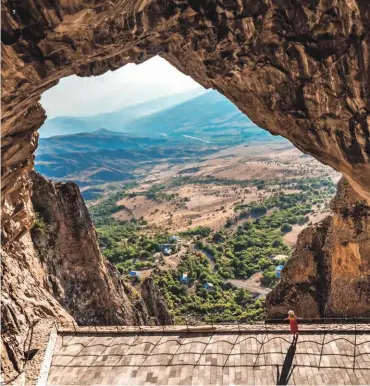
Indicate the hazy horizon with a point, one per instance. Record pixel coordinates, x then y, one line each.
128 86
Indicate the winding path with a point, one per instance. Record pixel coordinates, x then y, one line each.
252 284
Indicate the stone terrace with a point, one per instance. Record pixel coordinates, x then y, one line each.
207 355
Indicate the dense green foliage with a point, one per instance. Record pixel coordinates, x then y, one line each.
200 231
223 303
248 250
123 242
246 244
101 212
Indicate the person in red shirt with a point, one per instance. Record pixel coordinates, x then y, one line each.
293 324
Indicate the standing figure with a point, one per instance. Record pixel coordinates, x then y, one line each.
293 325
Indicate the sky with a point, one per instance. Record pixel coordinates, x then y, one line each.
129 85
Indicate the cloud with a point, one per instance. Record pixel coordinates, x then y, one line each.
131 84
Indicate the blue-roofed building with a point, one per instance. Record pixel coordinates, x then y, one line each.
184 278
174 239
278 270
134 274
209 286
167 251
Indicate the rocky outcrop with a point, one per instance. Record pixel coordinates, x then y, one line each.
56 271
24 300
329 273
155 302
76 274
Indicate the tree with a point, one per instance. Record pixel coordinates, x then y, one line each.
218 237
268 278
276 243
301 220
258 210
184 290
285 228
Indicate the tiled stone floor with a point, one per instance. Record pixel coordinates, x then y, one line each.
210 358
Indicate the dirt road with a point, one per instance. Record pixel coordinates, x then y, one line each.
252 284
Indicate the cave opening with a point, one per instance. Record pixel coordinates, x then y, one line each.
181 186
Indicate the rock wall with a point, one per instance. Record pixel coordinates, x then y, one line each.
329 273
155 302
24 300
57 271
76 274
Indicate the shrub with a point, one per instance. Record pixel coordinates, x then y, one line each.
268 278
201 231
302 220
286 228
258 210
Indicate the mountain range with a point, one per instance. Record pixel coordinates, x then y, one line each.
116 120
116 146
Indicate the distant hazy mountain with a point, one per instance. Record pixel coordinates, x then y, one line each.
209 116
116 120
184 131
103 156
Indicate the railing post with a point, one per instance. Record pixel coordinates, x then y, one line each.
56 326
354 351
29 344
322 347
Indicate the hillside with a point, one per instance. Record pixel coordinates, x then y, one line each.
104 156
209 115
181 133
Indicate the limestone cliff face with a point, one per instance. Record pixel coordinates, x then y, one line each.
76 273
25 299
329 273
155 302
57 271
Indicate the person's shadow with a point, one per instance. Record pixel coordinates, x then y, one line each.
287 369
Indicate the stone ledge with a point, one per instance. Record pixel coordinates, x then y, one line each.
217 329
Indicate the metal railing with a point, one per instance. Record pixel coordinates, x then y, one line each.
361 323
265 335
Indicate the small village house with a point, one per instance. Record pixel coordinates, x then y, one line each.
209 286
167 251
174 239
279 257
278 270
134 274
184 279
